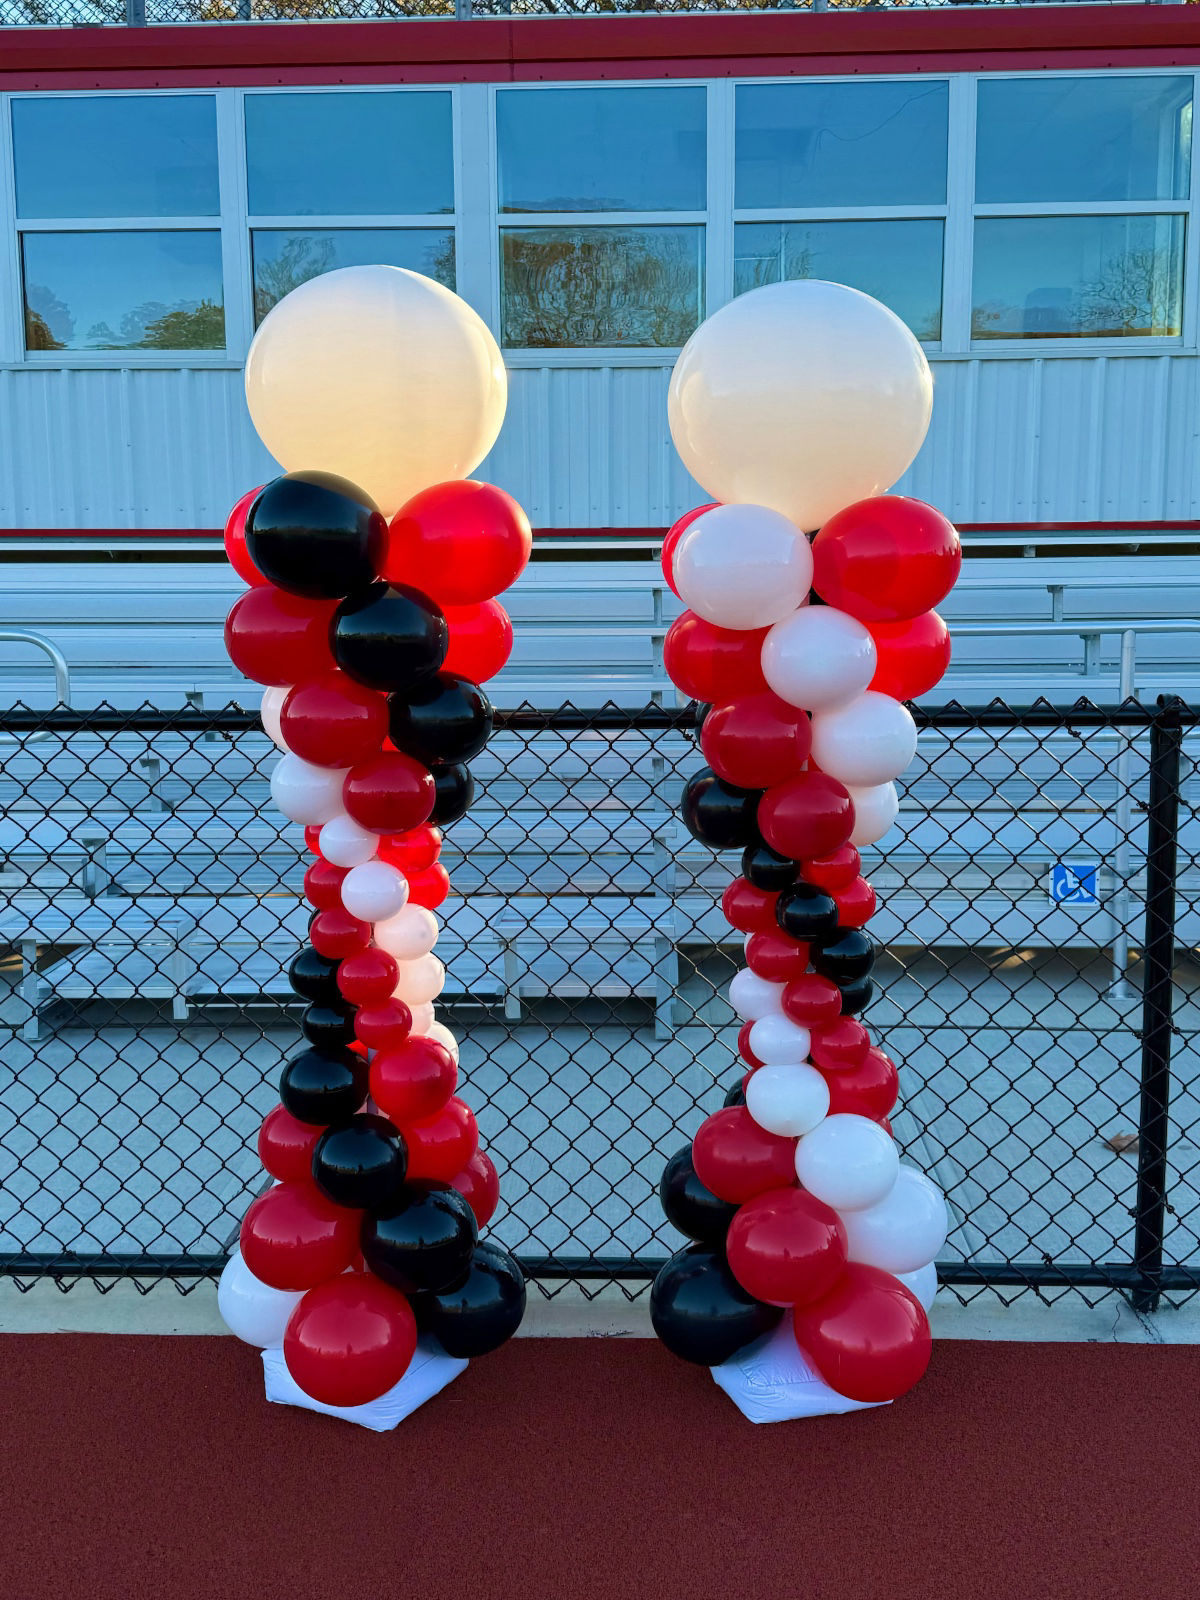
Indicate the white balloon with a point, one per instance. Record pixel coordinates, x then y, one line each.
803 396
380 375
753 997
305 793
777 1038
787 1098
847 1161
374 891
344 843
442 1034
868 742
742 566
420 981
250 1309
272 705
422 1018
408 934
923 1283
818 658
905 1230
875 809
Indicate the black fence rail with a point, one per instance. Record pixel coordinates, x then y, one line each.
1039 907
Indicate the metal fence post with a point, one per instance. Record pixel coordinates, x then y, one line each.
1162 841
135 13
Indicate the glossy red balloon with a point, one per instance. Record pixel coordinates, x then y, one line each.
411 1082
812 1001
277 638
749 909
412 851
335 934
867 1090
293 1238
285 1146
911 657
382 1027
743 1045
756 740
886 558
786 1247
737 1159
312 841
834 871
440 1147
368 978
709 663
332 721
868 1338
481 640
479 1185
323 884
775 956
839 1045
458 542
856 903
810 815
430 887
673 535
235 540
390 793
350 1341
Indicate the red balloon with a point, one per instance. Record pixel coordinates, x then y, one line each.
737 1159
885 1124
479 1185
277 638
390 793
413 851
867 1090
293 1238
333 721
749 909
834 871
235 540
856 904
350 1341
911 657
335 934
413 1081
285 1146
368 978
868 1338
458 542
809 815
323 884
382 1027
743 1045
312 841
786 1247
430 887
839 1045
440 1147
886 558
812 1001
674 533
756 740
709 663
776 956
481 640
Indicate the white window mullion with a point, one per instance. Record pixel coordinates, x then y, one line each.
476 245
958 246
1191 256
718 243
235 234
12 302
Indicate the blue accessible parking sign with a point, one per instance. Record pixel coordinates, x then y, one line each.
1075 883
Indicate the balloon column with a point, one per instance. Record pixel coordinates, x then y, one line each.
809 623
371 620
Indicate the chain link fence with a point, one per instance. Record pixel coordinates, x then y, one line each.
1039 898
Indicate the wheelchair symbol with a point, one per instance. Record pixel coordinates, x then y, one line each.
1074 883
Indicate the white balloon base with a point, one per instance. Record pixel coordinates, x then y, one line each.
430 1370
770 1381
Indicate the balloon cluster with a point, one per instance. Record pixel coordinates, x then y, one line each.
810 621
372 637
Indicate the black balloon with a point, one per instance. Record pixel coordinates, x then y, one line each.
688 1205
735 1095
806 912
323 1086
360 1163
850 954
313 533
767 869
422 1239
475 1317
701 1312
327 1026
703 707
856 995
389 637
314 977
454 792
719 815
443 722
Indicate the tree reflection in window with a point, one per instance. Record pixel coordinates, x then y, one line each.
285 259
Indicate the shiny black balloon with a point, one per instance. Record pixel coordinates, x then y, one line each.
701 1312
443 722
857 995
323 1086
454 793
422 1239
389 637
850 954
315 534
360 1163
703 707
719 815
688 1205
806 912
328 1026
735 1095
767 869
314 977
475 1317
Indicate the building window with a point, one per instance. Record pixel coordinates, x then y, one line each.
610 185
118 206
1081 189
334 160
